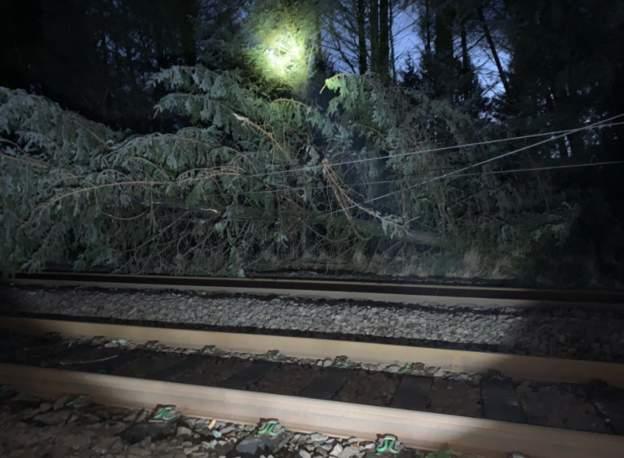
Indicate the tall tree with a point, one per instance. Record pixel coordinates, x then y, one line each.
373 21
561 66
360 8
345 34
384 39
393 59
217 27
426 25
493 48
114 45
444 24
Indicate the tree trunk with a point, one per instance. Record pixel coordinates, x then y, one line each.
392 48
189 10
360 8
492 45
444 18
369 228
384 39
464 49
374 34
427 28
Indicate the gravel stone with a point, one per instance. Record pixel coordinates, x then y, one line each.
60 402
104 439
45 407
316 437
350 452
52 418
562 331
253 445
183 431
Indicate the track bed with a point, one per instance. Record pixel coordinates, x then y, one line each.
594 407
564 330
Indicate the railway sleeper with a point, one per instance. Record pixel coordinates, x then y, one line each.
591 407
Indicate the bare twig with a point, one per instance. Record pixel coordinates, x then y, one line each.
266 133
25 160
218 171
129 218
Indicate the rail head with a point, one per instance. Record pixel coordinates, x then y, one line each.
396 293
521 367
423 430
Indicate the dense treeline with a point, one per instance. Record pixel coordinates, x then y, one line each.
246 136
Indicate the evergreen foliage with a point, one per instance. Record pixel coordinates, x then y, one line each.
243 172
249 180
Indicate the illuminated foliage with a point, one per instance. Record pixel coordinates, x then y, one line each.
285 56
283 40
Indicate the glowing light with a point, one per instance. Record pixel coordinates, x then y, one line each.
285 57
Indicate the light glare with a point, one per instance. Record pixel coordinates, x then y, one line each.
285 57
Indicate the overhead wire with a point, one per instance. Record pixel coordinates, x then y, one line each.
563 132
598 125
491 172
485 161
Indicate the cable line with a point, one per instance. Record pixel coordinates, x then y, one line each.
486 161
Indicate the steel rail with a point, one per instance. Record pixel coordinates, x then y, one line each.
520 367
416 429
400 293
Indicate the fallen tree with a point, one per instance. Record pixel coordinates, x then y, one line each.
249 175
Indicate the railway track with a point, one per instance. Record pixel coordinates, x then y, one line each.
490 415
400 293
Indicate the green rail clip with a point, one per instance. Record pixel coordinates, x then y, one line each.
387 444
268 428
164 414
